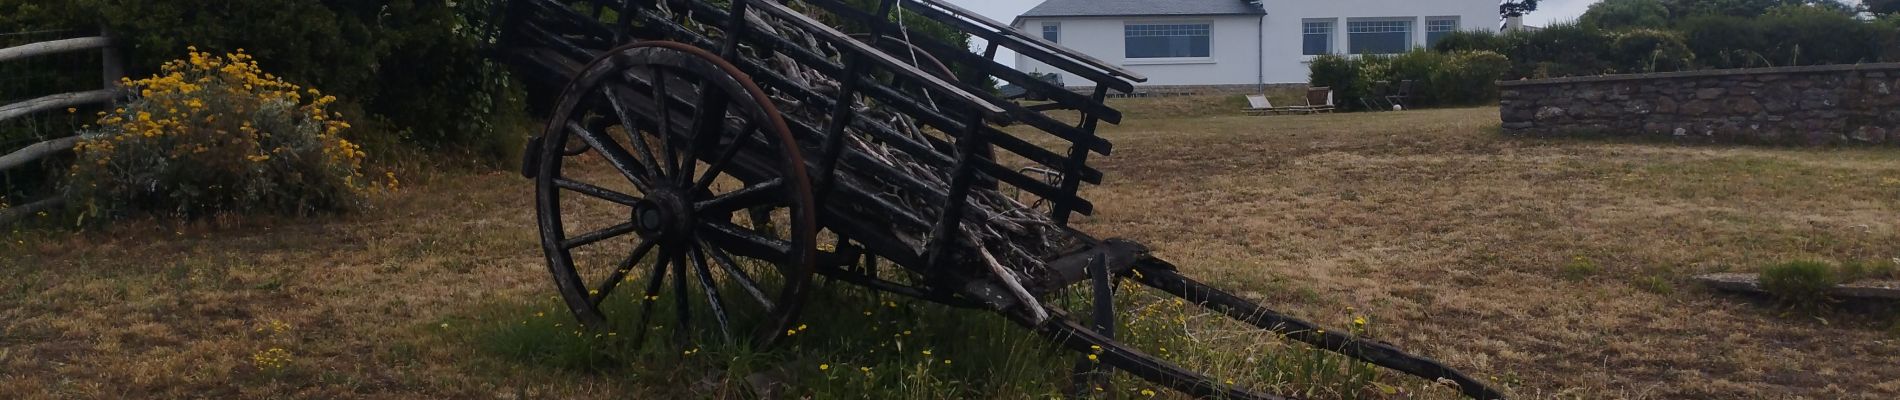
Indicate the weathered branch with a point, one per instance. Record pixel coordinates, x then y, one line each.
10 215
36 151
53 47
55 102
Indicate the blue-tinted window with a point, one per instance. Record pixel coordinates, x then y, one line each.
1052 32
1168 41
1318 37
1379 37
1436 28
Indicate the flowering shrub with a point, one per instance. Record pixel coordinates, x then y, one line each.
212 134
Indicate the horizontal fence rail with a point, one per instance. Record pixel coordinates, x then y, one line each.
16 158
55 102
53 47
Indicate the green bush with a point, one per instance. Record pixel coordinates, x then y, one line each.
413 66
1468 78
1801 284
1622 14
216 134
1471 41
1439 79
1341 74
1650 50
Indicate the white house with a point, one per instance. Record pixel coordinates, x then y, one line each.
1240 42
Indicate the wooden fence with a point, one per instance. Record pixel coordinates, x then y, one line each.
113 68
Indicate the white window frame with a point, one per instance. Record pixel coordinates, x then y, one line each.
1331 26
1411 32
1212 33
1058 31
1431 26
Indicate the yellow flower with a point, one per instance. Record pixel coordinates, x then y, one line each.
824 367
1147 392
1093 358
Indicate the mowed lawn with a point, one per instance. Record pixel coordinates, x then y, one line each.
1559 267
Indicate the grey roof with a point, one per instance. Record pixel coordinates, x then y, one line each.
1089 8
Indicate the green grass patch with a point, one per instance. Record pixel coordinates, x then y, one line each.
855 344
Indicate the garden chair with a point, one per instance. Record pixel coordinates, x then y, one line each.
1258 104
1318 100
1402 97
1377 99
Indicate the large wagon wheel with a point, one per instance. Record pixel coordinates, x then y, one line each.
673 156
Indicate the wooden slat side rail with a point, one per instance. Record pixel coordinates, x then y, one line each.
1015 42
963 56
36 151
55 102
53 47
883 59
1036 42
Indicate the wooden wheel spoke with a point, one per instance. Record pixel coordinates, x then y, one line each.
663 100
597 192
617 156
746 242
650 296
620 271
631 124
738 274
599 235
713 300
682 306
679 107
718 165
710 110
761 194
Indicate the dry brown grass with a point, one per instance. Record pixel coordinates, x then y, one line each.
1460 242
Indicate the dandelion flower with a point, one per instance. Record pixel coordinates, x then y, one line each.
824 367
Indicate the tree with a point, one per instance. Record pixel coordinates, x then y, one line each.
1516 8
1747 8
1622 14
1882 6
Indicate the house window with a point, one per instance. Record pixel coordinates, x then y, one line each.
1052 32
1380 36
1319 37
1168 41
1437 27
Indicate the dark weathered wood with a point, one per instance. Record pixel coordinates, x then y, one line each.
1022 43
1161 275
885 60
53 47
16 213
1751 283
36 151
964 57
55 102
1039 45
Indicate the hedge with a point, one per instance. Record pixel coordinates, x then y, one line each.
1439 79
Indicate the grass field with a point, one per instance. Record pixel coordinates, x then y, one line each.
1557 267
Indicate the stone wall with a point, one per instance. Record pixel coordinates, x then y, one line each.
1832 104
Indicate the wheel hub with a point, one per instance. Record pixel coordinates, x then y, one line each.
665 213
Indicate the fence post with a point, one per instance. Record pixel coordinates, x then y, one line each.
113 65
